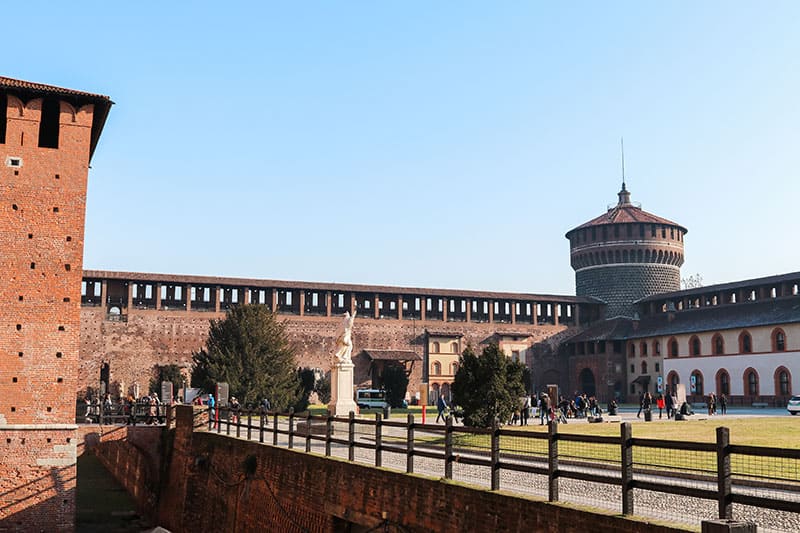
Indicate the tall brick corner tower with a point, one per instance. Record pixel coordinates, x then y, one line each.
626 254
47 138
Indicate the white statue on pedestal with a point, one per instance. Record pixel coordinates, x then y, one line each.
344 343
342 401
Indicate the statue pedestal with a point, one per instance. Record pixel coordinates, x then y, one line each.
342 390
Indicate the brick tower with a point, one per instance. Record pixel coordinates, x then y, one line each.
47 137
626 254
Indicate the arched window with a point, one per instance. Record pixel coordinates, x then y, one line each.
656 348
745 342
750 382
643 349
435 347
673 380
644 367
454 347
694 345
723 382
718 344
783 382
631 350
434 393
696 383
454 368
673 347
437 369
778 340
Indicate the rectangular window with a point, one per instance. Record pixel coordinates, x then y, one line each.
652 230
49 124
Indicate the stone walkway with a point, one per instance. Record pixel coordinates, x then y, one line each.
102 504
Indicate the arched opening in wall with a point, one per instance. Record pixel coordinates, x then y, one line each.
445 391
750 382
436 369
696 383
673 347
587 382
453 369
640 255
778 340
644 367
673 380
718 344
660 256
49 124
656 348
625 256
631 350
617 258
453 347
643 349
783 381
434 394
723 382
435 347
745 342
694 346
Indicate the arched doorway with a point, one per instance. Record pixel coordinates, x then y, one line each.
586 379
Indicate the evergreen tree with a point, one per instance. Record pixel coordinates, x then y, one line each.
166 373
249 349
487 387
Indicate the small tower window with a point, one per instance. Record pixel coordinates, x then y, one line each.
3 117
48 126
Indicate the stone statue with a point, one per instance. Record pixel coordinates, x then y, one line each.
344 343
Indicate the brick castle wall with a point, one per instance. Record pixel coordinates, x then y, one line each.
151 337
215 482
42 203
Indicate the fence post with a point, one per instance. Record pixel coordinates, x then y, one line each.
495 455
626 450
261 417
308 432
328 434
448 447
724 473
410 444
275 428
237 415
552 461
210 416
291 428
378 439
249 424
218 422
351 437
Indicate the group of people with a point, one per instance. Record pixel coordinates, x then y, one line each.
715 403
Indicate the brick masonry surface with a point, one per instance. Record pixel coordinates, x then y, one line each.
42 205
621 285
150 338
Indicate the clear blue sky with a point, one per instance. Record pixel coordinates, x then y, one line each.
434 144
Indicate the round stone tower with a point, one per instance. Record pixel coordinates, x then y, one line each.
626 254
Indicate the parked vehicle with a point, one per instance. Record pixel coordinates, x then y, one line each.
371 399
794 405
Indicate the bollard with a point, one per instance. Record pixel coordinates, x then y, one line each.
423 414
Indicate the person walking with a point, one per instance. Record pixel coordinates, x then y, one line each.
668 405
641 405
660 404
441 406
544 408
723 404
526 408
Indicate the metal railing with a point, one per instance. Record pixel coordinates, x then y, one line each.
127 413
720 473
